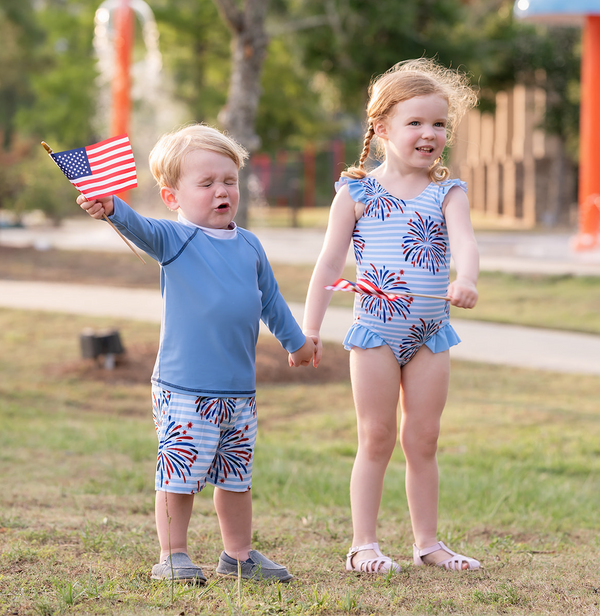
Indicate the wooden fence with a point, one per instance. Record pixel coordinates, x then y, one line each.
516 173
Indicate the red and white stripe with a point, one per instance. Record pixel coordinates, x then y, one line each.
362 286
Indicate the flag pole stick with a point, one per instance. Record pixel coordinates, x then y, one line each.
133 250
446 299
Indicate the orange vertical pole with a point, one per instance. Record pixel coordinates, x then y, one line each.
589 136
121 86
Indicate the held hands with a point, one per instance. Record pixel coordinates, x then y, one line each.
306 353
463 293
97 208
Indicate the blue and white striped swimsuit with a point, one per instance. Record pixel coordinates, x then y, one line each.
401 246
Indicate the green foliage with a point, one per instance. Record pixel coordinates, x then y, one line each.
315 77
41 186
195 47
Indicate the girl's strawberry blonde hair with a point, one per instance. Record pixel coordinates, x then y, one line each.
404 81
167 156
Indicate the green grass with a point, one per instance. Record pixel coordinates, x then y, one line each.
557 302
520 475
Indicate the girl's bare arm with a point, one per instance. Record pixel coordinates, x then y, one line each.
463 247
330 265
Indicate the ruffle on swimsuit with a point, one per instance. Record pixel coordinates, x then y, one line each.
363 338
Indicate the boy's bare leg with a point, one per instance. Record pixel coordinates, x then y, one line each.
234 510
180 511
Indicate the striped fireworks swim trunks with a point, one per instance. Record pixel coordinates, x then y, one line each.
202 439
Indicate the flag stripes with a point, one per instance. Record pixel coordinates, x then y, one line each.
101 169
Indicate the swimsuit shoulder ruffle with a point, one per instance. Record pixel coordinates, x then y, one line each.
356 188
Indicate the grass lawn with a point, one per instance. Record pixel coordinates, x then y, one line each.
520 477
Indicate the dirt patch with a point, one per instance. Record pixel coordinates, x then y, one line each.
136 364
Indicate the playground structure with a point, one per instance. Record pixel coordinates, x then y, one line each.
586 13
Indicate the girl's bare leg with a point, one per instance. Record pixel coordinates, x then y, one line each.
180 511
424 390
234 510
375 377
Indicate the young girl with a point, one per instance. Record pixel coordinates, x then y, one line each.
404 218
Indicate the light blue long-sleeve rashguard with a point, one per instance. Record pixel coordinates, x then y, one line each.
215 292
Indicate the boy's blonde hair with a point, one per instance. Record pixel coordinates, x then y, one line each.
404 81
167 156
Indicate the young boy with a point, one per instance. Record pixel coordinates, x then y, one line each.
216 285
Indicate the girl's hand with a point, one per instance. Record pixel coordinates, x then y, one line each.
316 338
97 208
463 293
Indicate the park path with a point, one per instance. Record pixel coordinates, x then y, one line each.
484 342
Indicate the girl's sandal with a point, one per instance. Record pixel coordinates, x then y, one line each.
381 564
454 563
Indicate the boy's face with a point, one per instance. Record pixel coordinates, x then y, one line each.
208 194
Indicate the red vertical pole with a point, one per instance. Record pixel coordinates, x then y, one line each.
589 136
339 154
121 86
310 172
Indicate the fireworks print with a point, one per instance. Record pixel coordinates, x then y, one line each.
160 404
424 245
216 410
232 457
379 203
176 453
418 335
359 245
386 282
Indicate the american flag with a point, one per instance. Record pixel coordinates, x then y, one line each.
362 286
366 287
101 169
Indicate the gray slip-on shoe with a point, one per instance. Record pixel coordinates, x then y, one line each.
184 570
261 568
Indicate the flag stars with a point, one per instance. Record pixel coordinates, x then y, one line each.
73 163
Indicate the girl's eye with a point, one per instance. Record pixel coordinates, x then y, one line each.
414 123
440 124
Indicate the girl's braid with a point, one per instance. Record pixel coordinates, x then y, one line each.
359 172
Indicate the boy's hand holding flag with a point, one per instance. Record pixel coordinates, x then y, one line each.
100 170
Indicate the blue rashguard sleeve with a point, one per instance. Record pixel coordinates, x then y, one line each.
276 313
149 234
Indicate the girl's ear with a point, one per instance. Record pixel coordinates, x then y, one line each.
169 198
380 129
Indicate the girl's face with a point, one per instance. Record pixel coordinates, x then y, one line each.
414 134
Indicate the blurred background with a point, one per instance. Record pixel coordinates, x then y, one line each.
288 79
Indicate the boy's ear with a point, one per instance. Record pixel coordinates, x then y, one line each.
169 198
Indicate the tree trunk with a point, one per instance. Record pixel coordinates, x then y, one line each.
248 50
